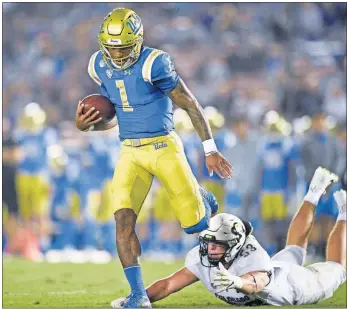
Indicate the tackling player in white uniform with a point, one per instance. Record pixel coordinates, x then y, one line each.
235 268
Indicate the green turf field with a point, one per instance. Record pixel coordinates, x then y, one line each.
31 285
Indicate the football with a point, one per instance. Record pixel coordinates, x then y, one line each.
100 103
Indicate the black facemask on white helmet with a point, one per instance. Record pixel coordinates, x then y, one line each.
226 230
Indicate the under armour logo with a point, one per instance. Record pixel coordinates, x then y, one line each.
127 72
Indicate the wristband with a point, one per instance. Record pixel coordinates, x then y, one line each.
209 146
90 128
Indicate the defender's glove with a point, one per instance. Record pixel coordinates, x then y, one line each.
222 280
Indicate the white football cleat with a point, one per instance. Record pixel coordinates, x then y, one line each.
340 197
118 303
321 179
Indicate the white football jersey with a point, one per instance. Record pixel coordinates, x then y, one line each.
252 257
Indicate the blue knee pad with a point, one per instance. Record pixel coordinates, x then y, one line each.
210 199
203 224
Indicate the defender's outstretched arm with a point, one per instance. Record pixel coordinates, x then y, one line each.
250 283
164 287
177 281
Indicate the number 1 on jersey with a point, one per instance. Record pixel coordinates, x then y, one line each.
123 95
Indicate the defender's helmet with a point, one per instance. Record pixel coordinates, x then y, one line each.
122 28
227 230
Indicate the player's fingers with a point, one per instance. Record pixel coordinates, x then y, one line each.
210 171
79 108
95 121
218 171
221 280
228 170
227 163
88 114
223 169
93 116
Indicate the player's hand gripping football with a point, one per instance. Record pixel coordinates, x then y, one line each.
84 121
215 162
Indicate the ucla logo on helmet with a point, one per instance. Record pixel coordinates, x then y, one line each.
134 23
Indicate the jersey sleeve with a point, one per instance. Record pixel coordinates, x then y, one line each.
159 70
253 257
92 71
192 261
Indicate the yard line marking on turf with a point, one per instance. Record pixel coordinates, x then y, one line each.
68 292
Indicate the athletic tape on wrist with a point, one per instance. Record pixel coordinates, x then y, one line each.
209 146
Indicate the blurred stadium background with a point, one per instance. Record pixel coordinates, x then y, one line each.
272 80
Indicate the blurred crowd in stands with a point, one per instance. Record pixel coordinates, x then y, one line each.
272 80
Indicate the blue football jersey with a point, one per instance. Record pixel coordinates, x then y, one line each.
97 155
82 178
274 158
139 93
34 148
59 196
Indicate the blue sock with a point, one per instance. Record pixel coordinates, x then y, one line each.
134 276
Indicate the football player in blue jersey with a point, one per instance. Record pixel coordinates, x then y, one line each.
277 161
142 84
59 212
33 187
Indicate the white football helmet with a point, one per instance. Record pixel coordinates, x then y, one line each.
227 230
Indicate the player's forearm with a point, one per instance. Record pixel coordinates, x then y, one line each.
250 287
200 122
183 98
106 126
250 283
158 290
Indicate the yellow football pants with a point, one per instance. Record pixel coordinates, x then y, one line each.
33 196
162 210
163 157
273 206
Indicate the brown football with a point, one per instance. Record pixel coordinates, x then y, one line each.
100 103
